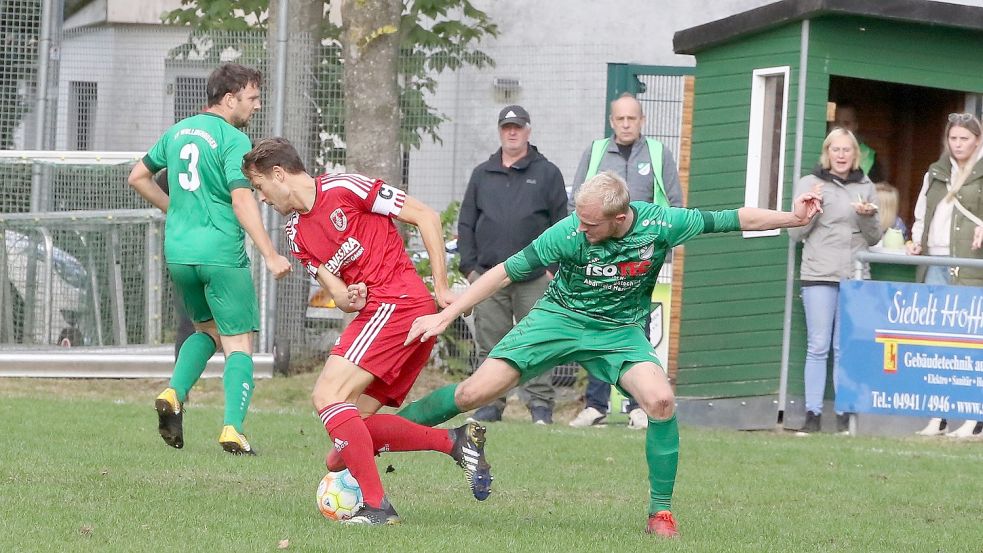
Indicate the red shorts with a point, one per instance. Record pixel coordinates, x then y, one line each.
374 342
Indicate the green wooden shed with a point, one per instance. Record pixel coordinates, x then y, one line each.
766 81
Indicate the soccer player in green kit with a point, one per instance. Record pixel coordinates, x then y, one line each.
609 253
210 204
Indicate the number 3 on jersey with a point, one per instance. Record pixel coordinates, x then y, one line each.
190 181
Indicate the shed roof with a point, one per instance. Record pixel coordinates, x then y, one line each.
695 39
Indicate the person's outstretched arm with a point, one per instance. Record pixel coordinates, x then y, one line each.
804 208
431 325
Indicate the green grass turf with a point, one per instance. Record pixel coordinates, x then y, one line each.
91 474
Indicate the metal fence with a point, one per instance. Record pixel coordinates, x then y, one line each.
119 87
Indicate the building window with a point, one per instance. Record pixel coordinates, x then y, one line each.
189 96
766 141
82 119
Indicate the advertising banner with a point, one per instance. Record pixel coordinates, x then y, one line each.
911 349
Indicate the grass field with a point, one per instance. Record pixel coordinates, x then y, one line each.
82 469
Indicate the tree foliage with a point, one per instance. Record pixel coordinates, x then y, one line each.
220 15
220 26
435 36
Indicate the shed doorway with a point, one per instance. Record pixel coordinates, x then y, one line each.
903 124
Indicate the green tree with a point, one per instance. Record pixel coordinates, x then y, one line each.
434 36
370 48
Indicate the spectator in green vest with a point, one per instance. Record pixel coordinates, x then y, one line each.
846 118
650 171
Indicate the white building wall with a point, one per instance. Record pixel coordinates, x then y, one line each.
139 11
128 65
559 51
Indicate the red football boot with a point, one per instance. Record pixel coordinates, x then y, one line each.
662 524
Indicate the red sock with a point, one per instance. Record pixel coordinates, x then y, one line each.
353 442
394 433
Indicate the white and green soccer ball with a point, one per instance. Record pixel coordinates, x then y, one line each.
338 495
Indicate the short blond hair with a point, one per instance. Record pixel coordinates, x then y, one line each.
836 133
607 188
887 203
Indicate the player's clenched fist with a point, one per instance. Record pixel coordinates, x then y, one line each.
278 265
357 295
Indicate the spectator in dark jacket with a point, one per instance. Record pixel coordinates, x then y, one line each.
511 199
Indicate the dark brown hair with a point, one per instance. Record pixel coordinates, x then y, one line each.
270 152
230 78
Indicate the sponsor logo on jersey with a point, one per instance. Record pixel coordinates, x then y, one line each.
625 269
600 270
634 268
349 251
339 220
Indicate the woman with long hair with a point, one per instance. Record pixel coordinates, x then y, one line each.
948 222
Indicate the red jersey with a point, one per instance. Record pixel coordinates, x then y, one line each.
350 231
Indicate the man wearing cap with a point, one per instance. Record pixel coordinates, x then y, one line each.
650 171
511 199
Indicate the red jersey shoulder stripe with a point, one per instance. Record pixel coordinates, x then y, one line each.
358 185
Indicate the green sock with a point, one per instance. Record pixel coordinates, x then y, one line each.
191 360
662 456
238 382
434 408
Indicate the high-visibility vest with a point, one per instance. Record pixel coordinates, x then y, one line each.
598 149
867 155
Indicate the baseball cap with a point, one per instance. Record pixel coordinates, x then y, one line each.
515 115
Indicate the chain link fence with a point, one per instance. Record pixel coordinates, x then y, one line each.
119 87
20 28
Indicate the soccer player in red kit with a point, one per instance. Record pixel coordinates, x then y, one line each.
341 229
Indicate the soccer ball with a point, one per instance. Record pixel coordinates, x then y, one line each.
338 495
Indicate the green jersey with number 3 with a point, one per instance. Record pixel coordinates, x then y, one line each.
203 157
612 281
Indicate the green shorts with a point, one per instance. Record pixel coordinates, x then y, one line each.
225 294
551 335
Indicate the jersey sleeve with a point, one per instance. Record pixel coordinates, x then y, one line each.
156 158
554 244
237 147
297 248
365 194
683 224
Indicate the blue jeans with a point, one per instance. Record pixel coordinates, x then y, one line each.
937 274
598 392
822 326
